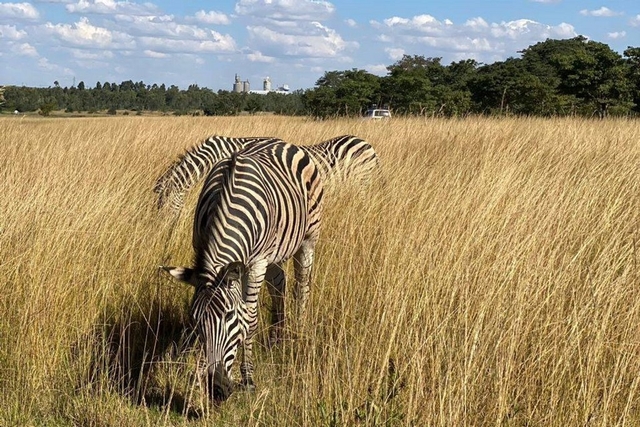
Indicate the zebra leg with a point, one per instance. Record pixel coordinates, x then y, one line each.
251 290
276 283
303 261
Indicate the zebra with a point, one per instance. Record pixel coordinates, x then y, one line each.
193 165
340 160
258 208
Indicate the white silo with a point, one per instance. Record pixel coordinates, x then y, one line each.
237 85
267 84
245 86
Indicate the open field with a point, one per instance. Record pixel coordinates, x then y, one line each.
493 279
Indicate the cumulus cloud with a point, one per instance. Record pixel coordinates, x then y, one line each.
395 53
88 54
11 32
84 34
24 49
257 56
317 41
45 64
108 7
18 11
163 25
154 54
351 23
287 10
216 43
378 69
635 21
211 17
603 12
617 35
475 38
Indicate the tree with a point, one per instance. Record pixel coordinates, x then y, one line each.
632 55
46 109
508 86
346 92
590 71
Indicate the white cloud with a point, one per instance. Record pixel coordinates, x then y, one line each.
84 34
108 7
475 38
20 11
378 69
161 26
287 10
24 49
426 24
617 35
635 21
88 54
154 54
45 64
317 41
257 56
351 23
394 53
602 12
211 17
217 43
11 32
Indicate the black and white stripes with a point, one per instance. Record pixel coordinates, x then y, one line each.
258 208
340 160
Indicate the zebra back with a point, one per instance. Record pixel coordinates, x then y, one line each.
194 164
340 160
261 202
344 159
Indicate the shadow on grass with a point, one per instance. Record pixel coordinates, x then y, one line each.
141 350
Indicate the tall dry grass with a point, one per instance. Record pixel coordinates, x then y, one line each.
491 279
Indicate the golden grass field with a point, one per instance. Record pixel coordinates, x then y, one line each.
493 279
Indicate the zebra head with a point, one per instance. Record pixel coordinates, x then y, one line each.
220 319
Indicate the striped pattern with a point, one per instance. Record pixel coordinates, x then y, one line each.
258 208
193 166
341 160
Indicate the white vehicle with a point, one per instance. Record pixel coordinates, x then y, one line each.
377 114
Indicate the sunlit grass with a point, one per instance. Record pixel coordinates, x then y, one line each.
490 278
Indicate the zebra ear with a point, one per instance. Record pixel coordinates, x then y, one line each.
183 274
234 273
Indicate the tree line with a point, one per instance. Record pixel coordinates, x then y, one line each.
138 97
573 76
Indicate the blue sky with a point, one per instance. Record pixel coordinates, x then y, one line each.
291 41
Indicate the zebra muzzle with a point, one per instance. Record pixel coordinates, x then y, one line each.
220 386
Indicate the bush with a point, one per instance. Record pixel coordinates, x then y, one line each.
46 109
112 111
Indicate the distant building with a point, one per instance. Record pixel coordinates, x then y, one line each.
240 86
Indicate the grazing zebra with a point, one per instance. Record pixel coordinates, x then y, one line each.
340 160
258 208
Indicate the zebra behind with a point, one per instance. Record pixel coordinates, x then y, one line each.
193 166
340 160
258 208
